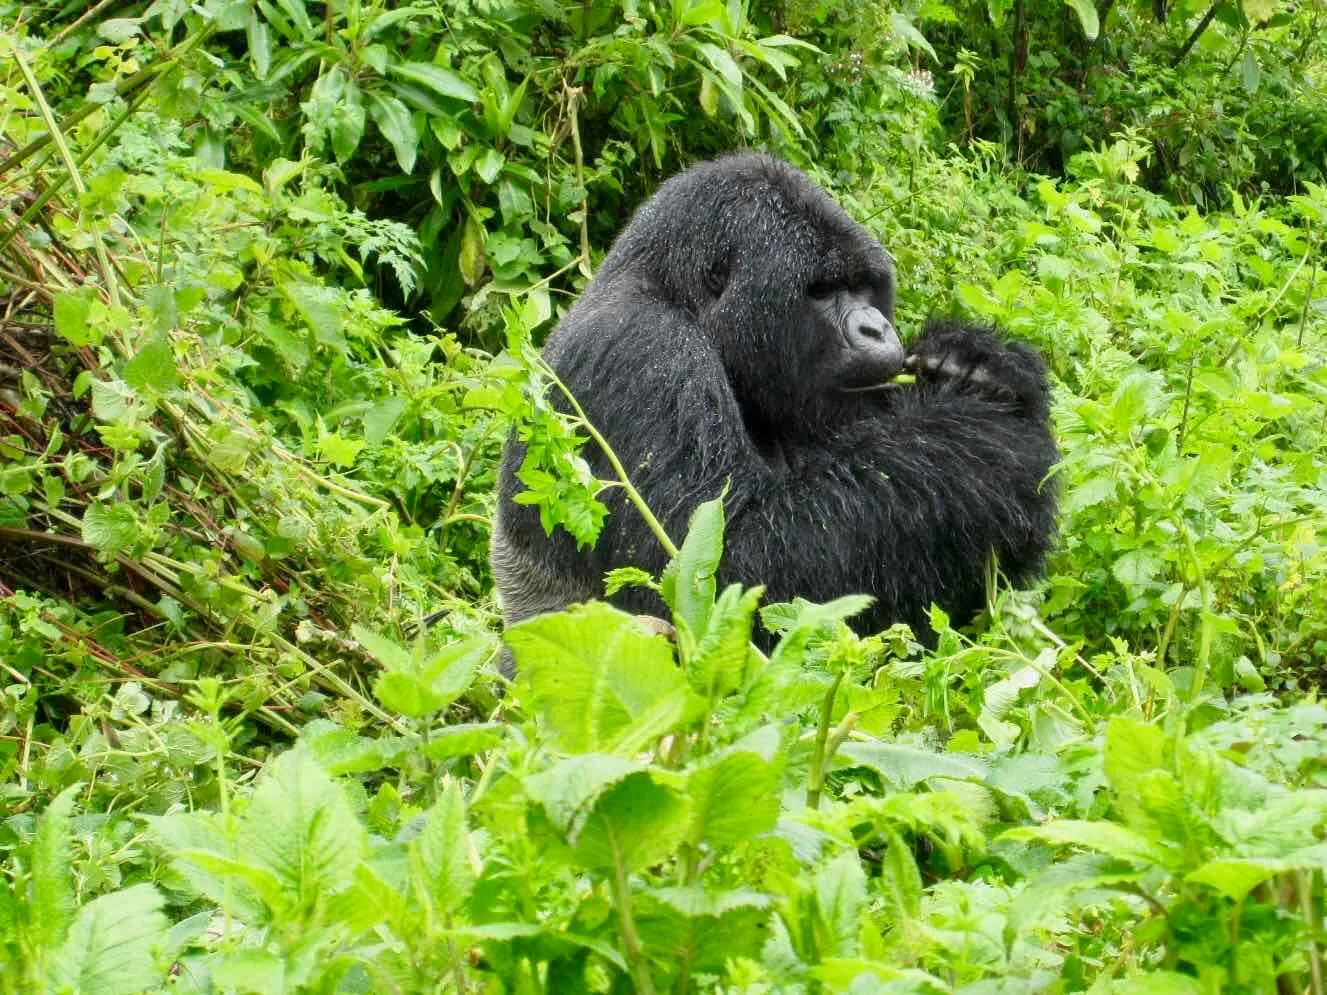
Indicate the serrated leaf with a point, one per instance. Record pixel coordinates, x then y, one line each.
300 828
734 796
704 927
440 871
153 368
110 529
112 945
903 767
612 811
51 888
598 680
1104 837
688 582
428 683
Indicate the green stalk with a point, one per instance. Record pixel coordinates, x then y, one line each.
76 178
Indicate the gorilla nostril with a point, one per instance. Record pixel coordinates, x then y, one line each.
869 326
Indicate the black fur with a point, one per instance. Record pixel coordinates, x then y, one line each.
699 352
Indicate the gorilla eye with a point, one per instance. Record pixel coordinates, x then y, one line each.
822 289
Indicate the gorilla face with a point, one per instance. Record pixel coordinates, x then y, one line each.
858 347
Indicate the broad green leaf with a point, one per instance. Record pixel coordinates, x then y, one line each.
840 894
704 928
397 126
735 795
153 368
440 870
72 311
300 827
380 419
110 529
1139 570
903 28
902 767
382 649
1104 837
320 306
1235 877
598 680
113 944
441 81
1087 17
612 811
429 682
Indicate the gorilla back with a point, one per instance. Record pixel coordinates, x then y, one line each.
738 333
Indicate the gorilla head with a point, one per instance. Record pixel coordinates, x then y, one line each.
738 334
796 298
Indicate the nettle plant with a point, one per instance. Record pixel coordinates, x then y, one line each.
1190 415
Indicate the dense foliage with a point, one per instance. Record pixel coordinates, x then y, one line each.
272 277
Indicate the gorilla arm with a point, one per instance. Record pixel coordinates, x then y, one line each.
908 503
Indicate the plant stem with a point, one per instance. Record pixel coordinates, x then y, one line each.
817 782
76 178
630 938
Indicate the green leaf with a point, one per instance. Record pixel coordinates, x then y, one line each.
1235 877
51 888
598 680
687 583
840 895
380 419
424 684
443 82
1249 73
612 811
703 927
110 529
153 368
113 945
320 306
300 828
71 312
1139 570
903 767
1087 17
397 126
1104 837
337 449
734 796
440 872
259 37
718 662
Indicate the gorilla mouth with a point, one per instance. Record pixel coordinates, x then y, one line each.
871 372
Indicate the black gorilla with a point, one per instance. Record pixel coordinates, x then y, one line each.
733 335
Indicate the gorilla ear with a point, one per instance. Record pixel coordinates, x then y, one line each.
716 278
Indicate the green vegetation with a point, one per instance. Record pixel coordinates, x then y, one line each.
271 279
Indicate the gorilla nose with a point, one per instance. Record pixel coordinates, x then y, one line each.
868 323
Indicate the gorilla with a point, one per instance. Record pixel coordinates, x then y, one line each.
740 334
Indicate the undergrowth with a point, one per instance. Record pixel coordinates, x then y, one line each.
253 737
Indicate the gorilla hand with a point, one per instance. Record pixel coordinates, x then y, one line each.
978 362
